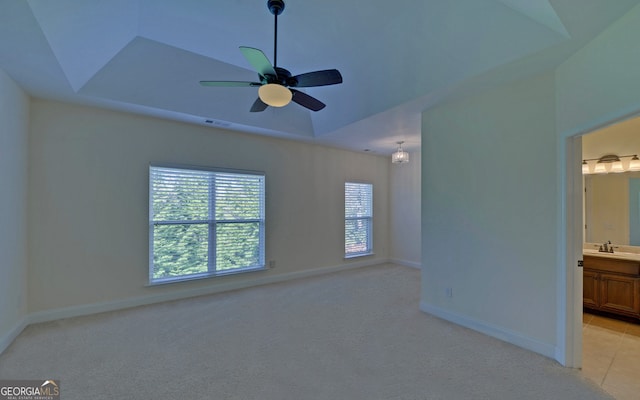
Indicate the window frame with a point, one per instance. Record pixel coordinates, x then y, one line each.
212 224
368 218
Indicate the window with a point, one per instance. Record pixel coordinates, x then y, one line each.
358 219
204 223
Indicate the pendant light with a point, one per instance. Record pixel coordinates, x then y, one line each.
400 156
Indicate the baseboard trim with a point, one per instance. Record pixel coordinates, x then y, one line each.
12 334
406 263
497 332
94 308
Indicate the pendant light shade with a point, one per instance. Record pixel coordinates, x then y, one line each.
400 156
616 166
585 167
600 168
275 95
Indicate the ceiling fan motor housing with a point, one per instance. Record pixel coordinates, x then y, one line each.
283 78
275 6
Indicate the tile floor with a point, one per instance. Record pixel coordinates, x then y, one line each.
611 355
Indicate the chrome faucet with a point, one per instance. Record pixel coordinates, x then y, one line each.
607 247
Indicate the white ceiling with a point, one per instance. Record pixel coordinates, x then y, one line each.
396 58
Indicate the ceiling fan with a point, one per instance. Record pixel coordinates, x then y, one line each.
276 85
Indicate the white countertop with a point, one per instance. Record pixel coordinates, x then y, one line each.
621 255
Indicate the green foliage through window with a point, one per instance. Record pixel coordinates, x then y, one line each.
205 222
358 212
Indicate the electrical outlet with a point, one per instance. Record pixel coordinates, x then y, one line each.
448 292
272 264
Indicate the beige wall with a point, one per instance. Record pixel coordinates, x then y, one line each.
405 200
14 109
494 227
621 138
88 202
489 218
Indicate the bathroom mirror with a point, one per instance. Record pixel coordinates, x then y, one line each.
612 208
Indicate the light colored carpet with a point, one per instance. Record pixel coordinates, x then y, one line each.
351 335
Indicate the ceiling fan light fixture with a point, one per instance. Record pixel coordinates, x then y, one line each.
275 95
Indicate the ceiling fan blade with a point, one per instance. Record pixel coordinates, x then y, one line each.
318 78
258 61
258 106
229 83
307 101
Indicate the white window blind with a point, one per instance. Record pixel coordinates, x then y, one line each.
204 222
358 212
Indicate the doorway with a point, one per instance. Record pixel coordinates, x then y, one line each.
570 278
612 211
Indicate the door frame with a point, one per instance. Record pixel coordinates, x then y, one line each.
569 318
571 228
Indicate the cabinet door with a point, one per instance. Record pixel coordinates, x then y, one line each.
619 294
590 292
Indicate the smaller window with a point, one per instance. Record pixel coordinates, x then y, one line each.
358 219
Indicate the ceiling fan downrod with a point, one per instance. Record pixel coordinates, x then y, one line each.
277 87
276 7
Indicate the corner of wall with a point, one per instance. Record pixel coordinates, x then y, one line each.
12 334
14 112
506 335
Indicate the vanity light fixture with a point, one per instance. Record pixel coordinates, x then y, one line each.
585 167
400 156
616 166
611 163
600 168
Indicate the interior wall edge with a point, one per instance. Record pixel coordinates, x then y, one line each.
406 263
89 309
95 308
505 335
13 333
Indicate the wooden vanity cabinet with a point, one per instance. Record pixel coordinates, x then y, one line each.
591 290
612 285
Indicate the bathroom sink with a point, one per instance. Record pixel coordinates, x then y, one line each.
618 254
